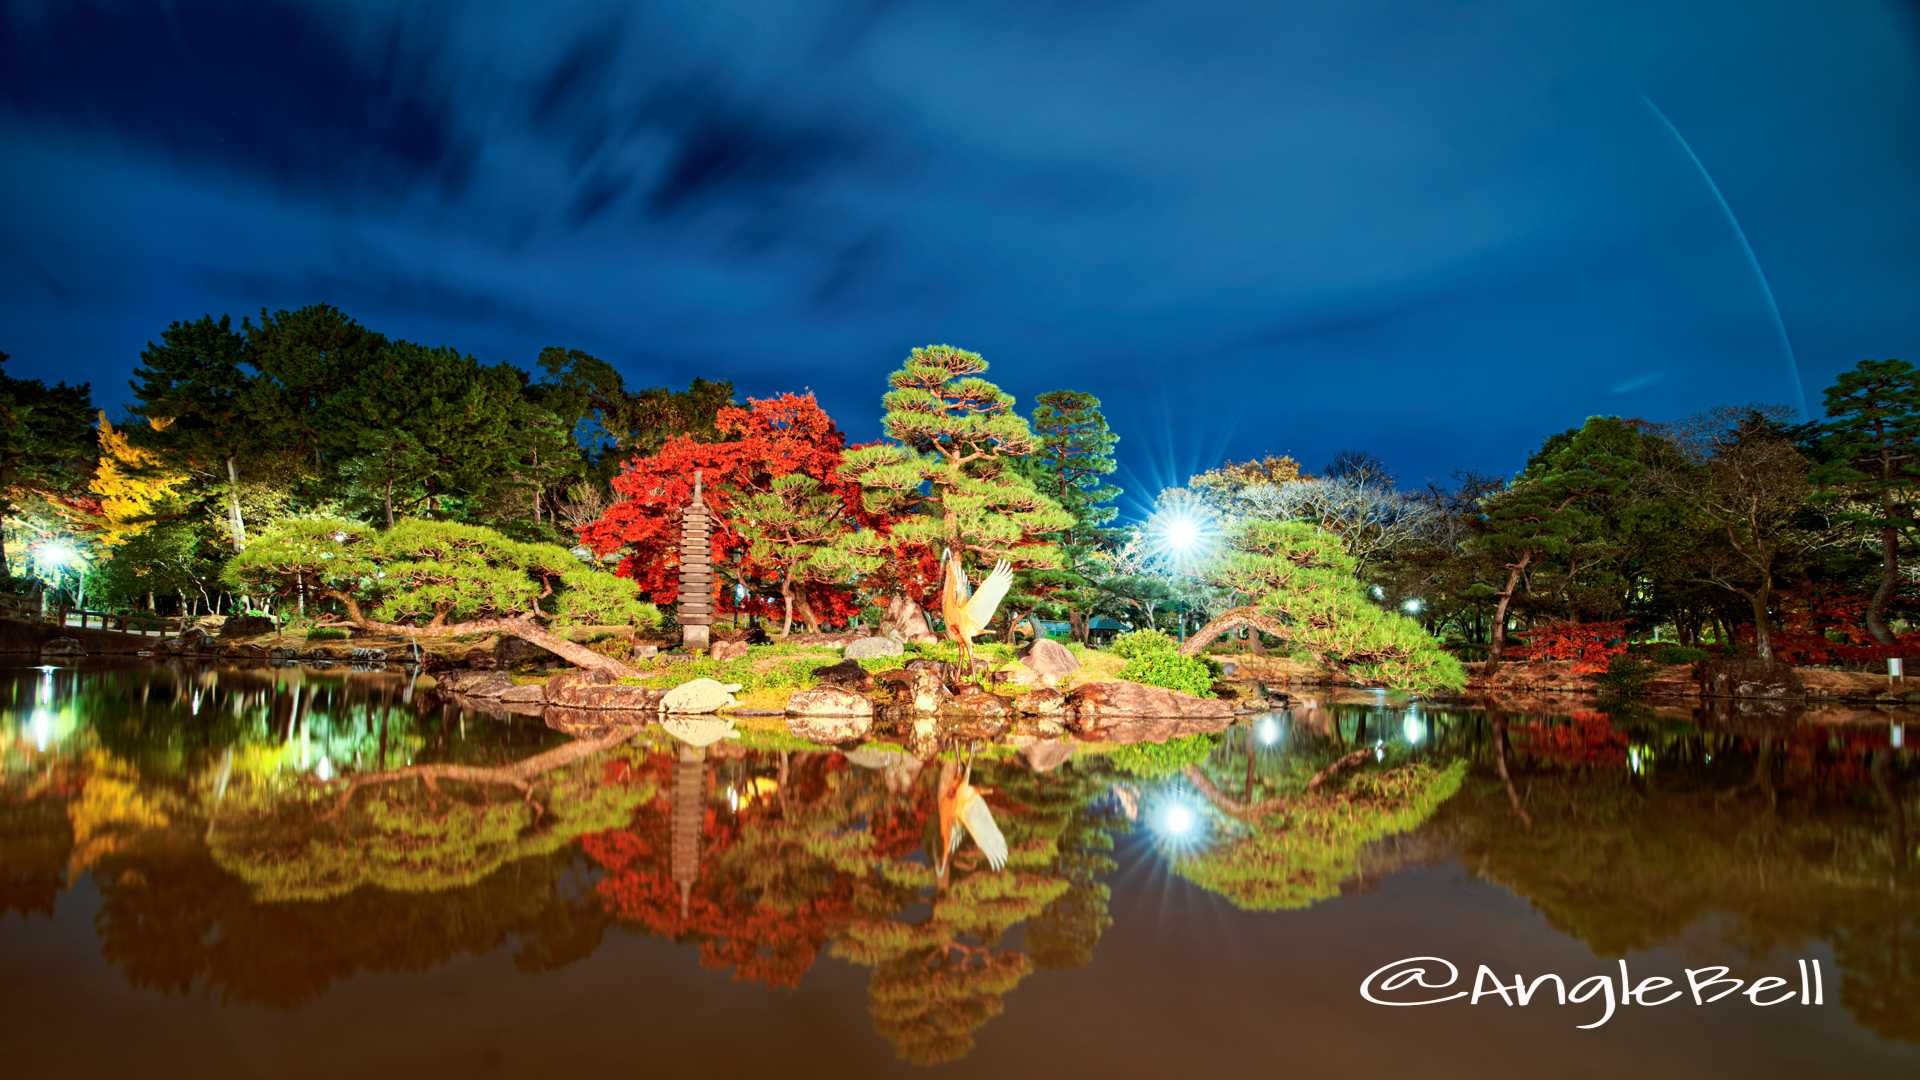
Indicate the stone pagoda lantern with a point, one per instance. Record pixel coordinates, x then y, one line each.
696 571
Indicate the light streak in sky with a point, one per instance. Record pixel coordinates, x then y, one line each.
1779 324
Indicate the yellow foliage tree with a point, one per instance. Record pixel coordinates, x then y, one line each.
128 492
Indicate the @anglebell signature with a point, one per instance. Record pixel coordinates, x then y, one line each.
1409 979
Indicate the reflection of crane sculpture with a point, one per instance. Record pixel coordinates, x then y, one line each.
967 615
962 807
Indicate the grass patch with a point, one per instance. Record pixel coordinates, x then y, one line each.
328 633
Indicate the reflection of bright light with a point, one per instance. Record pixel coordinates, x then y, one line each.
1178 820
1379 750
42 728
1178 824
733 799
1899 737
1411 607
1267 731
325 771
1633 759
1414 729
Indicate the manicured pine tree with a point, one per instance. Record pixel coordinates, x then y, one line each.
791 528
1871 440
441 579
951 478
1301 584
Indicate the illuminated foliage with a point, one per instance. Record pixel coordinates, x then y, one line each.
1300 583
777 437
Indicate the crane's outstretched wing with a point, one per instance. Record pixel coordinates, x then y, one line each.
991 591
979 822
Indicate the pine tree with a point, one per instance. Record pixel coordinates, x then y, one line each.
950 479
197 378
1541 512
1872 442
791 528
440 579
1301 582
1076 451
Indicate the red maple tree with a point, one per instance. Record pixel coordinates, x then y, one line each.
1591 646
769 438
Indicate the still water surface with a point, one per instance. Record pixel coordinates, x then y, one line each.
200 875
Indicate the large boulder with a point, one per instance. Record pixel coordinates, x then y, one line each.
904 621
247 626
847 674
193 639
1095 707
723 651
63 646
490 684
829 714
978 715
1041 702
1048 657
522 695
1749 678
699 696
595 689
868 648
918 687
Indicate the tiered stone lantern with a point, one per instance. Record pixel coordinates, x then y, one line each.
696 571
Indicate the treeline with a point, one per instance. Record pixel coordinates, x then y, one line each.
1733 528
307 413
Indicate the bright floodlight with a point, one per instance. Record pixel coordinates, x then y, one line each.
56 553
1181 533
1411 607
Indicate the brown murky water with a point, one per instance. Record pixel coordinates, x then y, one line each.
277 872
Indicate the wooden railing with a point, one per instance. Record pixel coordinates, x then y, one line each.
33 609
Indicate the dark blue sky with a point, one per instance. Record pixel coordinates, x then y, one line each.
1435 231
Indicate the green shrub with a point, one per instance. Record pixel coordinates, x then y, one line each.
1627 675
1187 674
1153 760
1142 642
328 633
1668 655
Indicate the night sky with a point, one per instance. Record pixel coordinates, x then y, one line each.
1431 230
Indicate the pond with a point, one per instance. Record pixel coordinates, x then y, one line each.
287 872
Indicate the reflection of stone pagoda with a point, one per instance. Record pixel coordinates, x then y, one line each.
688 818
696 571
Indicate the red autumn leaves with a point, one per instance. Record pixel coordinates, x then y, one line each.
767 439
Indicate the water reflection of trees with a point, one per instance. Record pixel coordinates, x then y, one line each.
198 808
1296 800
815 852
1730 847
